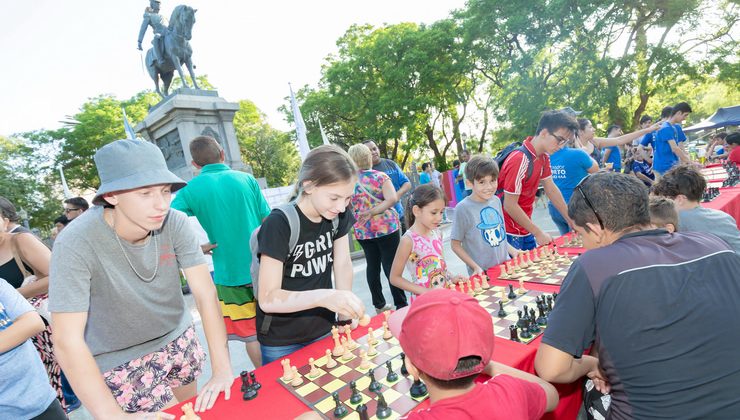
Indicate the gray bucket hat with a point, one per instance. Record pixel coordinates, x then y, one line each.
570 111
128 164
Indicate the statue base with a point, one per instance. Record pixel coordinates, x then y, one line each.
188 113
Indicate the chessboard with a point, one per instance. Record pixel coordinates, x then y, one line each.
514 306
548 267
316 392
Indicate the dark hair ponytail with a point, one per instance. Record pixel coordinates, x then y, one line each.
421 197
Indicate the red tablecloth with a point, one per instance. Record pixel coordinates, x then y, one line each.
274 402
728 201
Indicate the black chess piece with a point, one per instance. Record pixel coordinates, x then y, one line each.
542 319
392 376
514 334
250 392
374 384
355 397
340 410
533 327
549 304
418 389
362 412
255 384
525 330
501 312
383 411
526 311
554 296
244 375
519 321
404 371
511 295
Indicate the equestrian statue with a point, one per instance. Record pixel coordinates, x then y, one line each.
170 45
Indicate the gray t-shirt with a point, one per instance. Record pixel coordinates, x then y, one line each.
717 222
480 228
127 317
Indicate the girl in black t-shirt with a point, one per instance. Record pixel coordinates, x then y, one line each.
297 302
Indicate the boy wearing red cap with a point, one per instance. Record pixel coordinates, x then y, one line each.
448 340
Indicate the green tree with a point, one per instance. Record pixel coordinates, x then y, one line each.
271 153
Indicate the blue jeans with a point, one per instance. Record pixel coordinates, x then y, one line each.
524 243
272 353
560 222
69 394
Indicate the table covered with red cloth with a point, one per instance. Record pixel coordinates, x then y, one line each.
728 201
275 402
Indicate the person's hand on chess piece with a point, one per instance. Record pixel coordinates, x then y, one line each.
542 238
344 303
221 380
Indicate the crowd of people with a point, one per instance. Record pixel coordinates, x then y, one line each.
637 314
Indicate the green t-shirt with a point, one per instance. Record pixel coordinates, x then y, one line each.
230 206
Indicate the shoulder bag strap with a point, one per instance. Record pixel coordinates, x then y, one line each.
17 255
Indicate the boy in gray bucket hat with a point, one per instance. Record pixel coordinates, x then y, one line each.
122 332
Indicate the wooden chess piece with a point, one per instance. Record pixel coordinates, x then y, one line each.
330 362
364 320
383 411
287 372
521 290
365 363
314 372
371 352
340 410
418 389
387 335
536 255
346 353
188 412
371 336
386 314
391 376
351 344
297 379
503 297
476 285
374 384
355 396
471 292
484 281
337 344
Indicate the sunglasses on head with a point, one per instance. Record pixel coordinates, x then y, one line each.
588 202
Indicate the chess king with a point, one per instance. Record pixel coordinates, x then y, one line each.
159 27
492 226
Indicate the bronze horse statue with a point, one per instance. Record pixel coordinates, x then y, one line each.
177 51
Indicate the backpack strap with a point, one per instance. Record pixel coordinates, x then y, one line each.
530 168
294 223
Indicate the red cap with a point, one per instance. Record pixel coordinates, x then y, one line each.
441 327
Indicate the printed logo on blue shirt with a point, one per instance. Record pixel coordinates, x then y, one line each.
492 226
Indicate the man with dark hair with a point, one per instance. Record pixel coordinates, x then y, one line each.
74 207
60 222
648 139
613 154
521 174
399 180
667 152
425 176
230 206
642 297
685 185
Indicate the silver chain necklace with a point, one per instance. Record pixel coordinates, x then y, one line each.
156 251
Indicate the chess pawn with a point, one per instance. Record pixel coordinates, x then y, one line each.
287 372
525 260
351 344
484 281
387 335
330 362
365 363
536 255
346 353
313 373
338 349
521 290
503 297
471 292
371 352
371 336
504 272
476 285
297 379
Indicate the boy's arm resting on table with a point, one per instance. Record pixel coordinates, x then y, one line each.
512 207
496 368
399 263
24 327
273 299
206 299
458 249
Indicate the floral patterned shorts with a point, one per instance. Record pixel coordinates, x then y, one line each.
145 384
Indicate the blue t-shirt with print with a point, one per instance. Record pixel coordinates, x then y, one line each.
24 387
663 156
569 167
644 168
424 178
615 158
648 140
398 178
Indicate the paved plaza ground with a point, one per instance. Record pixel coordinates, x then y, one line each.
239 359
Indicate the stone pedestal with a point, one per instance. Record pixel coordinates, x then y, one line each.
184 115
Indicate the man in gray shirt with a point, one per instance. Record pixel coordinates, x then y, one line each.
685 185
122 332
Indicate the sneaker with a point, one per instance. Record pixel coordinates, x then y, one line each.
387 307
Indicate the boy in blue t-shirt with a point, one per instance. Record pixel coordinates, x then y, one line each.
641 167
666 151
613 154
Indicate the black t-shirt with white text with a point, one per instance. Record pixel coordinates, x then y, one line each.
308 267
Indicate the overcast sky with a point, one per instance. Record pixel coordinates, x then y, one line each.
54 55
